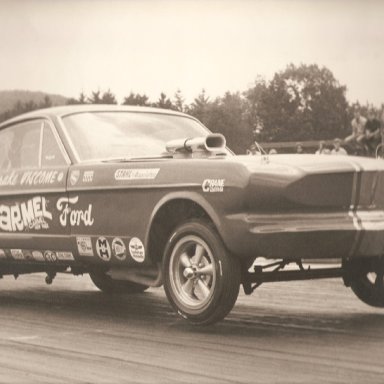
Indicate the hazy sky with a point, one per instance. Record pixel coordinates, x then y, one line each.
148 46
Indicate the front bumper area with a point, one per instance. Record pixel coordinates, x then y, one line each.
342 234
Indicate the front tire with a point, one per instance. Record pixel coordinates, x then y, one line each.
367 280
118 287
201 278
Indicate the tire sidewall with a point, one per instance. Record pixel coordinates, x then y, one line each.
207 233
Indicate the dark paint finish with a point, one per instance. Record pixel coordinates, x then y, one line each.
278 206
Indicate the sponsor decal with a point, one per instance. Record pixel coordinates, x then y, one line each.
50 256
74 177
75 217
88 176
41 177
8 179
28 255
136 174
65 256
2 254
213 185
17 254
84 246
32 214
38 256
118 248
136 249
103 249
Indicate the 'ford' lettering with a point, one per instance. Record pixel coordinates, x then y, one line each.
75 217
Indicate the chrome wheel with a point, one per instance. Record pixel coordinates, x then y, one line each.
201 278
192 272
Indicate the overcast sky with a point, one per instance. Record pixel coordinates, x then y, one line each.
148 46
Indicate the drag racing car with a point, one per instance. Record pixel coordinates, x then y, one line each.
142 197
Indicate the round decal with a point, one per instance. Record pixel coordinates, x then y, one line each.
118 248
50 256
103 249
136 249
38 256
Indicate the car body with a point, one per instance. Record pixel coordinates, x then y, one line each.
141 197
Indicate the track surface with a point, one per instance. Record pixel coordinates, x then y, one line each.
300 332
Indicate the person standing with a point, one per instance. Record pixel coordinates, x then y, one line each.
358 127
372 133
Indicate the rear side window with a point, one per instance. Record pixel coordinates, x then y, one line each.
51 154
29 145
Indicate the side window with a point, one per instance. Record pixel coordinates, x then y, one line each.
20 146
51 155
29 145
29 149
6 139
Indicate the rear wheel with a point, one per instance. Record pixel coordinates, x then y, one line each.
106 284
201 278
367 280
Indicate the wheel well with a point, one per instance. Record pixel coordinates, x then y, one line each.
169 216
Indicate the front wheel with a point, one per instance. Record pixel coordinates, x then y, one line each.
201 278
107 285
367 280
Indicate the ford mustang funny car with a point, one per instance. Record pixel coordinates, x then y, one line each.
142 197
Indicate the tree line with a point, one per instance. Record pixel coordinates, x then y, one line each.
304 102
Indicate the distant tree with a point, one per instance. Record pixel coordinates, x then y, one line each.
227 115
136 99
108 98
81 100
253 104
47 102
163 102
300 103
179 101
200 107
96 98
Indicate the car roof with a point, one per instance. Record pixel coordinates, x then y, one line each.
62 111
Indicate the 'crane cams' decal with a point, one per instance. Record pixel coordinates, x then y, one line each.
74 216
31 214
213 185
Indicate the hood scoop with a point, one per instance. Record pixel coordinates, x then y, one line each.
197 147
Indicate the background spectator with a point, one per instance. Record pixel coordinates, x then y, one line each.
299 148
372 134
338 150
321 149
358 127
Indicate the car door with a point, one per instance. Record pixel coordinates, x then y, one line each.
33 173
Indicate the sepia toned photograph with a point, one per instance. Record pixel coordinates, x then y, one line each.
191 191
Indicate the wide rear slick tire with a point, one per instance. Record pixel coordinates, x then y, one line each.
367 280
201 278
116 287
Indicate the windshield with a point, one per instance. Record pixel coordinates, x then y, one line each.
108 135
